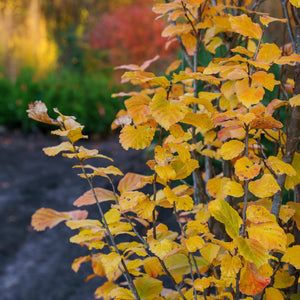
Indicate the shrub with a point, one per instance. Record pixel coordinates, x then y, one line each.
236 239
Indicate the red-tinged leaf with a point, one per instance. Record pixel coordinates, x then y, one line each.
273 105
296 216
78 261
266 20
264 187
253 251
166 112
173 30
138 137
225 214
148 287
244 25
254 280
245 169
132 181
267 122
38 111
88 197
46 217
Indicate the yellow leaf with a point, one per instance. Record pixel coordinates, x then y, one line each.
280 167
183 202
138 137
194 243
264 187
103 291
166 173
76 224
178 264
148 287
162 8
267 80
121 293
190 42
166 112
295 101
295 3
232 149
230 266
162 155
161 81
245 169
78 261
282 279
266 20
173 66
152 266
214 44
172 30
269 234
252 251
47 217
248 95
200 120
268 53
64 146
296 216
254 280
244 25
215 187
210 251
205 102
110 264
225 214
292 256
112 216
161 248
233 188
184 169
259 214
137 108
294 180
271 293
201 284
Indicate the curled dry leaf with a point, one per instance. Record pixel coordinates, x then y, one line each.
38 111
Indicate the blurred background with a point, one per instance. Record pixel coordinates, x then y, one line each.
63 53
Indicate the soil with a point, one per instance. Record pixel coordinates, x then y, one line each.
37 265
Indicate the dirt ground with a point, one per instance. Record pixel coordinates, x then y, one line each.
36 265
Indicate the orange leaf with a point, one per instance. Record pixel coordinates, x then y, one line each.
266 20
152 266
264 187
138 137
132 182
232 149
245 169
47 217
166 112
88 197
267 122
244 25
267 80
78 261
254 280
268 53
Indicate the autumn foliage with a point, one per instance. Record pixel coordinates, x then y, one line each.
225 155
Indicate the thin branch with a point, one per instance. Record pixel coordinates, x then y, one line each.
289 27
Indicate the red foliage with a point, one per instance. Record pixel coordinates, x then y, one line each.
130 33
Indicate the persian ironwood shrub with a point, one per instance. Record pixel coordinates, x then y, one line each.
239 236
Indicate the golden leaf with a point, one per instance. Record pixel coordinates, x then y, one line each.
166 173
103 291
189 41
267 80
283 279
295 3
64 146
201 284
173 30
138 137
194 243
245 169
173 66
295 101
152 266
215 187
210 251
244 25
269 234
225 214
254 280
162 155
271 293
47 217
200 120
253 251
294 180
279 167
264 187
296 216
161 248
133 181
230 266
288 60
78 261
121 293
38 111
259 214
232 149
148 287
292 256
165 112
137 108
268 53
233 188
162 8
